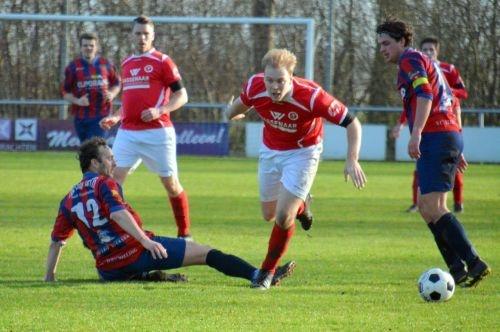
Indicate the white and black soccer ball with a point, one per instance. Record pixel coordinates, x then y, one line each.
436 285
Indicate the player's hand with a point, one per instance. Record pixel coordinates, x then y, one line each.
462 163
396 131
83 100
156 249
238 117
228 111
108 122
354 171
108 96
150 114
414 146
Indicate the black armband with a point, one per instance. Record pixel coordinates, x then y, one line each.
347 120
176 86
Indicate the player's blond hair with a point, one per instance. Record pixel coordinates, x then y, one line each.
280 57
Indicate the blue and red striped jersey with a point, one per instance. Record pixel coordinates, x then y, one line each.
419 76
87 208
95 79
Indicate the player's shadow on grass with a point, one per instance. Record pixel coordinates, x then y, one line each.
76 283
43 284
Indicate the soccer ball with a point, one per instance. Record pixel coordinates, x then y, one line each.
436 285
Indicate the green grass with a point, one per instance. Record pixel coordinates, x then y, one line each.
357 267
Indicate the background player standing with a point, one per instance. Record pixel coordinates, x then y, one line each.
112 230
152 89
436 142
90 85
430 47
292 109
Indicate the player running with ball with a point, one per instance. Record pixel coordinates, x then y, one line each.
436 143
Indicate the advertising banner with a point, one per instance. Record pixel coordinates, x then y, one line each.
210 139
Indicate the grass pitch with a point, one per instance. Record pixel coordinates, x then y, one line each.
357 267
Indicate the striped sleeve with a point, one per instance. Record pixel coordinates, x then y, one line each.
69 79
63 226
413 71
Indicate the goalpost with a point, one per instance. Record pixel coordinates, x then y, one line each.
308 23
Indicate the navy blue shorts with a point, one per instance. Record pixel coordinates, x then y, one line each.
437 165
176 248
88 128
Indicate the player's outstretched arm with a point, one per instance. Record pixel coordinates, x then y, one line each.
112 93
127 222
352 168
109 121
53 256
236 109
82 101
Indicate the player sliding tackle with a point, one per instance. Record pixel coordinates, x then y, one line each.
292 109
112 230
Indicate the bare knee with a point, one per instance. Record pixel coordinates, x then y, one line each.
431 208
195 254
268 210
172 185
285 219
268 215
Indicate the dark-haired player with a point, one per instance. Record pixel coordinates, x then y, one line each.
90 84
293 110
112 231
430 47
152 89
436 143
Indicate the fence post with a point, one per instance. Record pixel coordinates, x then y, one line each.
63 109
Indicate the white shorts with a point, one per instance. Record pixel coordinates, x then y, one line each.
293 169
156 147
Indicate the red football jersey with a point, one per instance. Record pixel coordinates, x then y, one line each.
146 81
87 208
296 121
454 80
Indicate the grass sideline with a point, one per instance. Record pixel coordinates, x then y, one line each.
357 267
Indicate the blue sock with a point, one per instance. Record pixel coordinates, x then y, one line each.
231 265
451 259
450 229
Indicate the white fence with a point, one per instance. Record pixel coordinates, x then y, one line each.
481 144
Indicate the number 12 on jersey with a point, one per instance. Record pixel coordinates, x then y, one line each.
93 208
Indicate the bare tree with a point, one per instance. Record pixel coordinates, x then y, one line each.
262 34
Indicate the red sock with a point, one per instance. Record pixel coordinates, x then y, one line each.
278 243
180 208
414 187
458 188
301 209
